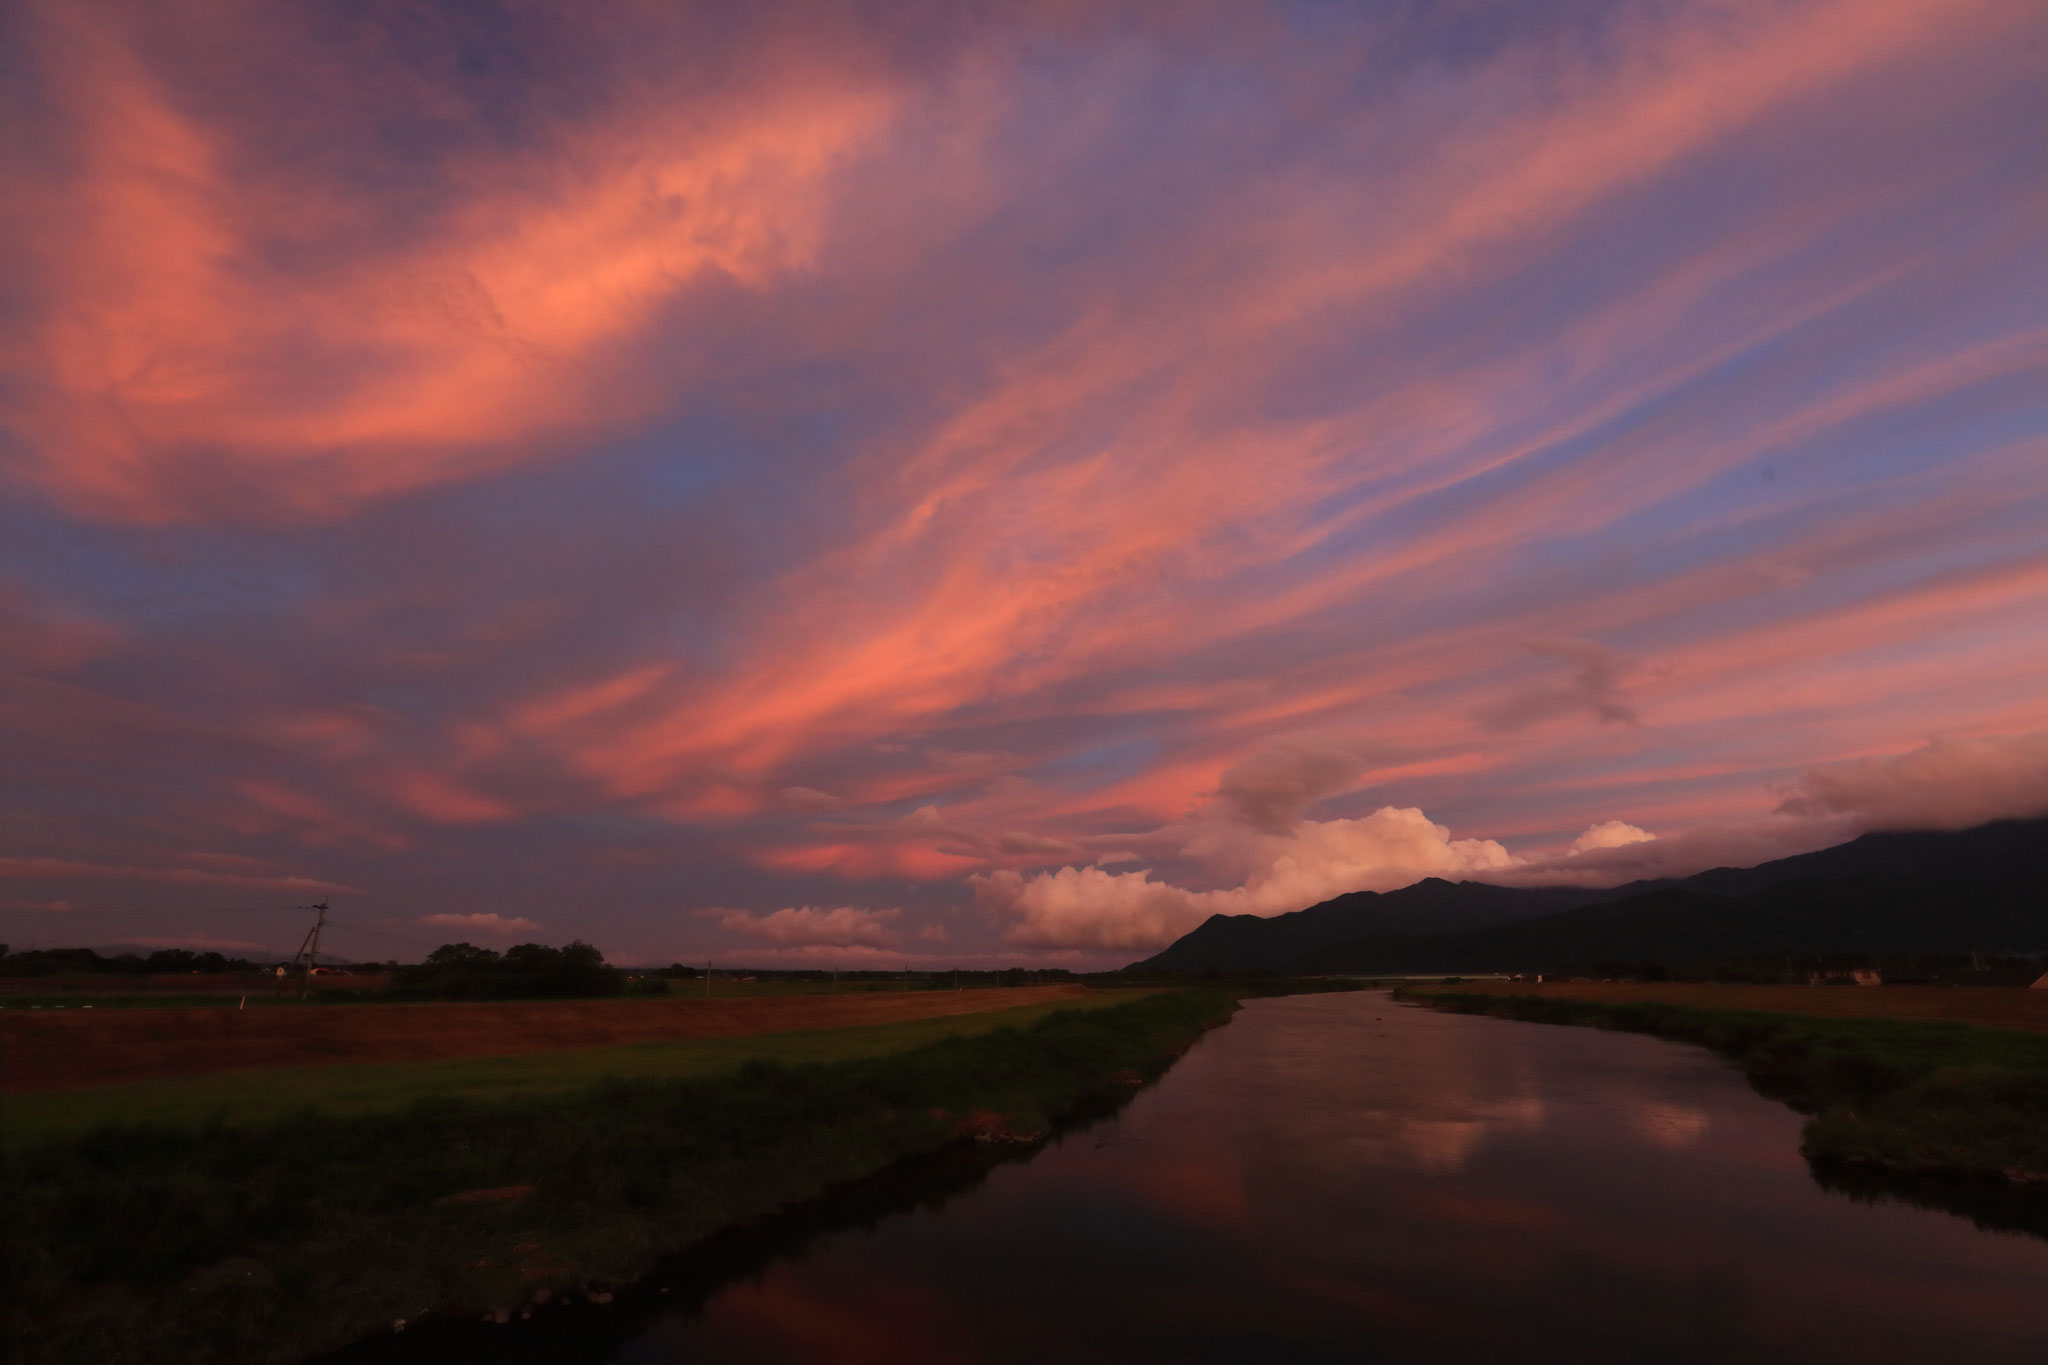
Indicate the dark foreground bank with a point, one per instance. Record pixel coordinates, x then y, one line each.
272 1243
1946 1114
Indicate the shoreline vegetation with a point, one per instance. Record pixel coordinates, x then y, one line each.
1946 1115
278 1240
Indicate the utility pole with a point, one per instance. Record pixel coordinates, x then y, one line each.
309 947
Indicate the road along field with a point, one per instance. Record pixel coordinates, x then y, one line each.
1991 1006
66 1049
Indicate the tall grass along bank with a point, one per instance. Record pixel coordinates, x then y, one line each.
270 1242
1895 1107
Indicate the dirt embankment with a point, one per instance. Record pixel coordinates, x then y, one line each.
1993 1006
59 1050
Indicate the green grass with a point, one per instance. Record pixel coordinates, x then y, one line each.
1913 1099
270 1093
270 1241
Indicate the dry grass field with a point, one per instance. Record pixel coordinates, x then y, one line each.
65 1049
1996 1007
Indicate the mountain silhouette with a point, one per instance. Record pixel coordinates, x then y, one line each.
1923 891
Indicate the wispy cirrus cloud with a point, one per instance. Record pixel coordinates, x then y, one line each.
810 459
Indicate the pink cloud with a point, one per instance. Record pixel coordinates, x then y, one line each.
46 868
1948 783
482 922
1063 525
840 926
173 363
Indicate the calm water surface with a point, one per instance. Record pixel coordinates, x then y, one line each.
1339 1178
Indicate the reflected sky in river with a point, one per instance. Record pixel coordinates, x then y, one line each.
1339 1177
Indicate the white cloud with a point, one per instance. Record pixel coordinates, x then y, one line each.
1611 834
483 923
840 926
1679 855
1312 861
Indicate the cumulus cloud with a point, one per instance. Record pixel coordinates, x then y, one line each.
1743 844
1314 860
1944 784
839 926
1609 834
483 923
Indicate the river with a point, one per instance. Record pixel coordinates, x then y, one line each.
1337 1177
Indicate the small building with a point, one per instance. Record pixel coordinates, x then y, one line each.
1867 976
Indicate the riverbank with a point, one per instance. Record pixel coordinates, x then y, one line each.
272 1242
1990 1006
1916 1103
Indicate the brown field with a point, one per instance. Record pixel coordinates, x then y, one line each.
53 1050
1996 1006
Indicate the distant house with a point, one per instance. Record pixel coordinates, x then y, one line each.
1867 976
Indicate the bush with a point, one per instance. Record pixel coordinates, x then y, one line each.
463 971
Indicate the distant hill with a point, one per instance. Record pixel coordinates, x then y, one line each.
1430 906
1882 893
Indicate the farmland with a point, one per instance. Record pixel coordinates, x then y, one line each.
272 1239
722 1044
65 1049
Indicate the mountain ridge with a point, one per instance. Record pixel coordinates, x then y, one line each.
1888 891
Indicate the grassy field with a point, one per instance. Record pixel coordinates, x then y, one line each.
270 1093
1907 1098
270 1241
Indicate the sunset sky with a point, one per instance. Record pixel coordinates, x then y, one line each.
842 485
